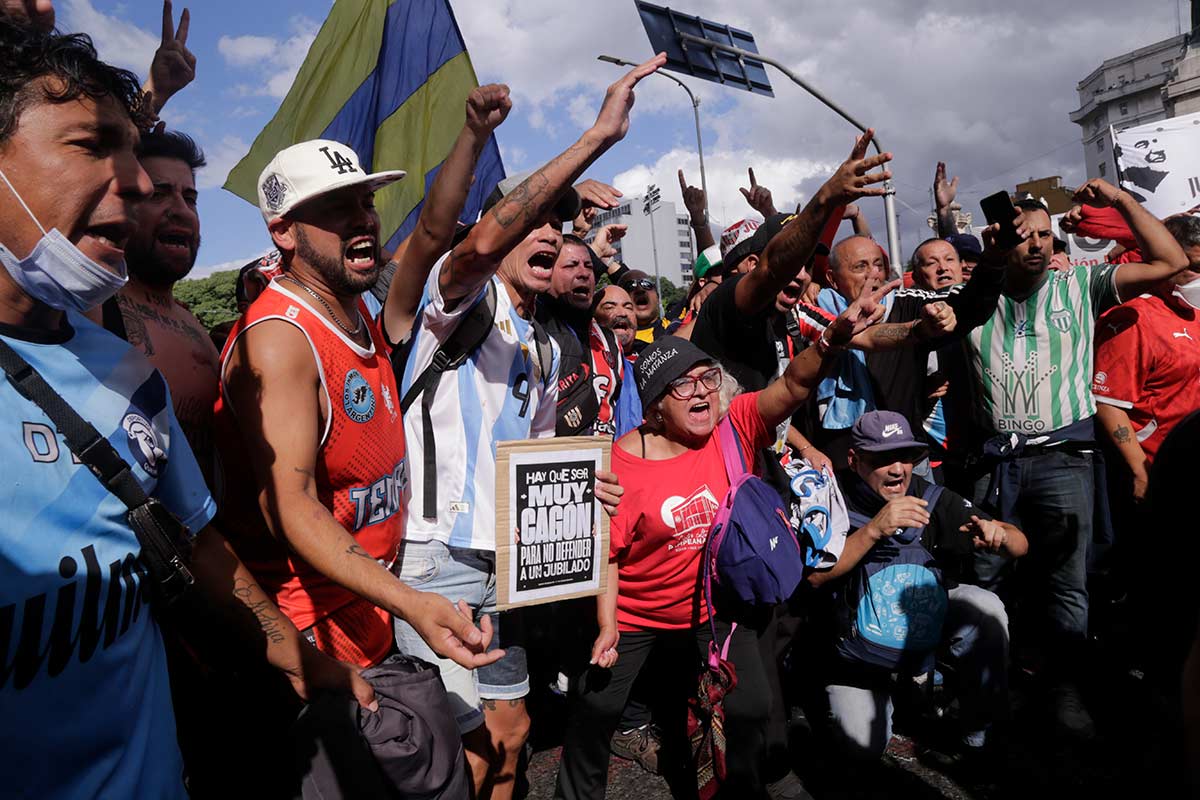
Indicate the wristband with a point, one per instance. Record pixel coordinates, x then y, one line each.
826 347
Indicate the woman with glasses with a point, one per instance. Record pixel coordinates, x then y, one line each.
674 479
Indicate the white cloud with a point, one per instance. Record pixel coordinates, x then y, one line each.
725 172
275 61
242 51
221 158
117 41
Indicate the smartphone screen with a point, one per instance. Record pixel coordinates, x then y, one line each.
998 208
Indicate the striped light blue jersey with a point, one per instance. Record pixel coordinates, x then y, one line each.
83 676
499 394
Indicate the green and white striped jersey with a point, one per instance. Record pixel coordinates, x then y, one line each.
1032 361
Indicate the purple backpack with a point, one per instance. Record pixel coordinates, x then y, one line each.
752 552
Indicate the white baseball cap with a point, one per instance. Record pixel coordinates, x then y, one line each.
309 169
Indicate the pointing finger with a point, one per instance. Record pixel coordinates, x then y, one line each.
753 183
682 182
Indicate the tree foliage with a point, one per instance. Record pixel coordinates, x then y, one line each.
213 299
669 292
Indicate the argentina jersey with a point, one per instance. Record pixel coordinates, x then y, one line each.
499 394
83 675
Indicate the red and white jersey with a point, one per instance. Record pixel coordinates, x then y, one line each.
361 477
1148 363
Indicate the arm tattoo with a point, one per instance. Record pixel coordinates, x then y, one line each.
893 331
1121 434
269 623
530 199
794 244
356 550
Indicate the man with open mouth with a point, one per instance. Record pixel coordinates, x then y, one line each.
162 251
646 305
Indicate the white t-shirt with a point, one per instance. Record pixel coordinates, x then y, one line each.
499 394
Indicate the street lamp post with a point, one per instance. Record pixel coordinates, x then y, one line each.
648 208
621 62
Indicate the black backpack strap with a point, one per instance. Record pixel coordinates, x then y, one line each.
544 352
451 354
380 289
112 319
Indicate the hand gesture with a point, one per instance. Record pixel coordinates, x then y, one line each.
694 199
850 212
944 191
320 672
613 121
989 535
38 13
608 491
900 513
853 178
604 649
937 319
449 632
862 314
936 386
594 194
174 66
1097 193
759 197
602 245
487 108
582 224
993 251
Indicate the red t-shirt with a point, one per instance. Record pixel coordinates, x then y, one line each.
1148 363
662 524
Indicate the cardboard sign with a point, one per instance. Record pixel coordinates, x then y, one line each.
551 533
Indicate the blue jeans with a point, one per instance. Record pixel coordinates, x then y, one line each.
975 641
458 574
1055 510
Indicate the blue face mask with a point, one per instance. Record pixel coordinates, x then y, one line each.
57 272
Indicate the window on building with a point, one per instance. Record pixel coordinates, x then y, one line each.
1099 145
1167 65
1103 169
1095 125
1124 109
685 244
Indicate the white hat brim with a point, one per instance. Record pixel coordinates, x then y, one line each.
375 180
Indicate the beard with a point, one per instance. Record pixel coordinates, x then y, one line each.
332 269
154 269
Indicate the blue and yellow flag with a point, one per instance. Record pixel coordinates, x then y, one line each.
389 78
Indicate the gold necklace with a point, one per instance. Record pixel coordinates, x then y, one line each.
345 328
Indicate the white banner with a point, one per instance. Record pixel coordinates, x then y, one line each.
1159 164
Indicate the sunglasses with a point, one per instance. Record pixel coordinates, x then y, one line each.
644 284
686 387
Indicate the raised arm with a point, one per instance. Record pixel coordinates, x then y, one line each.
790 250
1163 255
487 108
475 259
786 394
694 200
759 197
272 386
174 66
944 192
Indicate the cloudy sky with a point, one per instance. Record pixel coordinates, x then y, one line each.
986 87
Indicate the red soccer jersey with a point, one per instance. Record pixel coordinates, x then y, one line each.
1148 363
662 524
361 477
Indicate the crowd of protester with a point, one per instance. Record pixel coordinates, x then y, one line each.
323 478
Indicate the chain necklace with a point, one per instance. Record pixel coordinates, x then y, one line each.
336 321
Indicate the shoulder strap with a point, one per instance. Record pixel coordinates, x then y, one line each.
464 340
112 319
85 442
731 450
931 494
544 352
384 282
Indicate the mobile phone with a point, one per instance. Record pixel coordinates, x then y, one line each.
998 208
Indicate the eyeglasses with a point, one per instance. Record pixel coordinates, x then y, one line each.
641 283
686 387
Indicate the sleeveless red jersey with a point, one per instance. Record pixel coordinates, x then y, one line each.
361 477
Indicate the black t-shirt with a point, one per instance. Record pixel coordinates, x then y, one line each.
898 376
578 406
953 549
744 344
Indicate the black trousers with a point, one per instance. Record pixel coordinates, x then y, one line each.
599 696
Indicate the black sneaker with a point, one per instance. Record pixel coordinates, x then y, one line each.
640 745
789 787
1071 713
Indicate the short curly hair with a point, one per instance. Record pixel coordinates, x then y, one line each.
27 54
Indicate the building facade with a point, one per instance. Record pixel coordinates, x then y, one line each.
1127 90
668 235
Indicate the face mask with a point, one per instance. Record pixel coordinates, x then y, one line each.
1189 293
57 273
